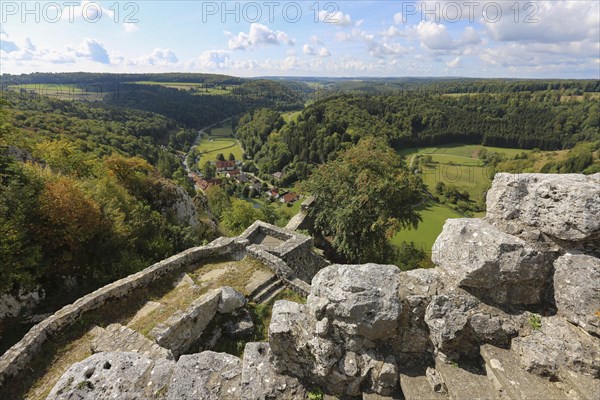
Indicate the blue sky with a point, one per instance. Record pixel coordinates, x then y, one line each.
534 39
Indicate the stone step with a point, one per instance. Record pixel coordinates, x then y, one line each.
517 383
415 386
466 382
256 290
269 292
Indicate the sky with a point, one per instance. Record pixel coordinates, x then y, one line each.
349 38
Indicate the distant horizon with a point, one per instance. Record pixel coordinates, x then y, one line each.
543 39
291 77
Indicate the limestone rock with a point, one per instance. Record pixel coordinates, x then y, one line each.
417 287
459 323
117 337
125 376
436 381
207 375
230 300
577 290
184 328
558 346
563 206
360 299
260 381
342 338
492 265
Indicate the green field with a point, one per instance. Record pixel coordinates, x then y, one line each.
455 165
434 216
458 166
60 91
463 150
219 139
290 116
197 87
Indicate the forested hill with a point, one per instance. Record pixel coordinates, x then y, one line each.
196 110
546 120
85 194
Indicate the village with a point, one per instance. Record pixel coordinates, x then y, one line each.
232 170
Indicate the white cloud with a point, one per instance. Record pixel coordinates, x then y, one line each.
130 27
398 18
259 35
314 39
555 22
323 52
93 50
336 18
454 63
159 57
311 51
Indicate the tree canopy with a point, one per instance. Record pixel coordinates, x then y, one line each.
362 198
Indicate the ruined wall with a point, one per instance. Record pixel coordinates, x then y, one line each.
17 357
295 248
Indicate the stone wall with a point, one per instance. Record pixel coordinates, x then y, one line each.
296 249
18 356
292 261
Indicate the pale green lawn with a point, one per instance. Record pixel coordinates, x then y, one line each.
210 146
434 216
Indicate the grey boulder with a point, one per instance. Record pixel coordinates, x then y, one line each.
494 266
563 206
577 290
230 300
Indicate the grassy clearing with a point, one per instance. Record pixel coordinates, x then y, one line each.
434 216
61 91
198 88
283 208
462 150
291 116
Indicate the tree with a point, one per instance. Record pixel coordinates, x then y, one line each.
209 170
362 198
239 216
231 157
220 157
440 187
217 199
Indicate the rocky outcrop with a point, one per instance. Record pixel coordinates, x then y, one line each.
494 266
114 376
577 290
342 337
459 323
260 381
468 325
563 207
13 304
207 375
557 347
